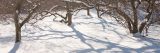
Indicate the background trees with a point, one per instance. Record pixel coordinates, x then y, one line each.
135 15
70 7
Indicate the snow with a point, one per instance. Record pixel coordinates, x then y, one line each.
15 48
29 1
17 11
87 34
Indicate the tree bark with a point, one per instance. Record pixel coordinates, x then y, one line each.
135 24
18 33
69 19
16 20
98 14
17 28
88 11
69 15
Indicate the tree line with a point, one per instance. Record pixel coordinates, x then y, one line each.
135 15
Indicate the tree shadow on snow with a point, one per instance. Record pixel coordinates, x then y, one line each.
15 48
5 40
82 36
110 45
53 34
49 36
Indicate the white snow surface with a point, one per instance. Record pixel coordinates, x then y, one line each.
88 34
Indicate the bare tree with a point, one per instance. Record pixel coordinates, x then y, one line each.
17 11
69 7
88 4
130 15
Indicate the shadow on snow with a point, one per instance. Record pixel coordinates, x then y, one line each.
15 48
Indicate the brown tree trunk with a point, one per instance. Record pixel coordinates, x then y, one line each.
98 14
135 29
129 27
18 33
16 20
69 19
135 24
17 27
69 15
88 11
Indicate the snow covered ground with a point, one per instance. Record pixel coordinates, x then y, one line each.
88 34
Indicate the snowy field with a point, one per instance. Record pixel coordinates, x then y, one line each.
88 34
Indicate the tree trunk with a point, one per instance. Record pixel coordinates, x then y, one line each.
16 21
69 15
98 14
135 29
69 19
129 26
17 27
18 33
135 24
88 11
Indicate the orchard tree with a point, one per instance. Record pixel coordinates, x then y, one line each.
23 7
135 15
88 4
69 6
